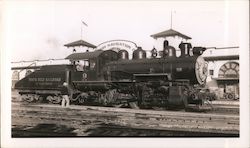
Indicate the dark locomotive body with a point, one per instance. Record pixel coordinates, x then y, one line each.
181 68
111 79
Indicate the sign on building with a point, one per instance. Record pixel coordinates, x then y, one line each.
117 45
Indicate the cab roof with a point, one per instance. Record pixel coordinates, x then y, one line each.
91 55
84 55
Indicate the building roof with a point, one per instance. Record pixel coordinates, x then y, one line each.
226 79
85 55
80 43
217 58
168 33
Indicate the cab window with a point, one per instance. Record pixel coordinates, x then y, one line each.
92 64
83 65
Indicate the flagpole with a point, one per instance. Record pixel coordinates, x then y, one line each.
81 31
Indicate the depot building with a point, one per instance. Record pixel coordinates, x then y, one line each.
223 72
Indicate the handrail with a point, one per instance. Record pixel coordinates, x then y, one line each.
38 60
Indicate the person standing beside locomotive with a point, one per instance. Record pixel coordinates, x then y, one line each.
65 95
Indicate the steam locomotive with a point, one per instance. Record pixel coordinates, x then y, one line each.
110 78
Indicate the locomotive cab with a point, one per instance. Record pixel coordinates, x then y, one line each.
88 65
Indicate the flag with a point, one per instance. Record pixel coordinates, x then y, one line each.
84 23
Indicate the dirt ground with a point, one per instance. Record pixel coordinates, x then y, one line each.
83 121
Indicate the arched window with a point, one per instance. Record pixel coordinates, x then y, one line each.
15 78
229 70
15 75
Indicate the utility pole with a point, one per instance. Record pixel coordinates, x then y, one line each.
171 20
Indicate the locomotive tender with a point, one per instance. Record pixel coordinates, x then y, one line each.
110 78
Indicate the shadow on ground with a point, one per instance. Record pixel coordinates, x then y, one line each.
43 130
110 130
105 130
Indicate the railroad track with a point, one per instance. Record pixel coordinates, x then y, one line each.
85 120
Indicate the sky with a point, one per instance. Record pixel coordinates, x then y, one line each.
38 29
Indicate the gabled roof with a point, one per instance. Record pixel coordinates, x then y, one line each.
168 33
85 55
80 43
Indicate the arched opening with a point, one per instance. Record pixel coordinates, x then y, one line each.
228 80
15 78
229 70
